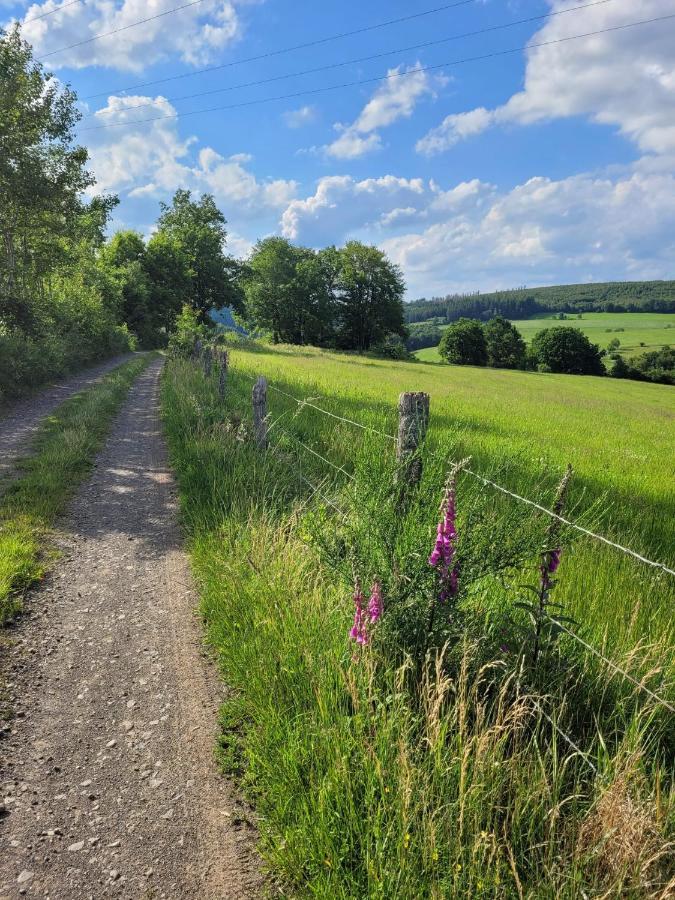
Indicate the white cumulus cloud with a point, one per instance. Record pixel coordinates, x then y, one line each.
153 160
624 78
395 99
193 34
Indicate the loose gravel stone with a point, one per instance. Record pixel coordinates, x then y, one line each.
86 814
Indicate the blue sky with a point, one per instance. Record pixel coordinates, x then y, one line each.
553 163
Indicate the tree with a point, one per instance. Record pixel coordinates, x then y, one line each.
464 344
198 228
369 297
567 350
167 268
505 345
287 292
42 177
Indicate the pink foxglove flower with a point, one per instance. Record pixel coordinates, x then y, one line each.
443 554
375 607
359 632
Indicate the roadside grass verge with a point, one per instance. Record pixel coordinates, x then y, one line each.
375 773
61 456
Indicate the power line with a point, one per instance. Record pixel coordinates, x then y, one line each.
283 50
380 79
97 37
48 13
362 59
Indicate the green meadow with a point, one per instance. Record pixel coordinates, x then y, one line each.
637 332
459 770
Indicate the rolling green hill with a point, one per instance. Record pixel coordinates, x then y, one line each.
616 296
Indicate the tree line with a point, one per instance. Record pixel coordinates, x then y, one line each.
69 294
349 298
523 303
561 349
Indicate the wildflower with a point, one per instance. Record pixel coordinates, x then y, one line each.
359 631
375 603
550 563
442 556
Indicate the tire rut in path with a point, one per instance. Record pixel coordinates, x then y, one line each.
20 420
109 775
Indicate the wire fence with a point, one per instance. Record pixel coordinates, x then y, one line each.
317 490
307 402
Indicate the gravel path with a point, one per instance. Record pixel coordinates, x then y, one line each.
108 772
20 420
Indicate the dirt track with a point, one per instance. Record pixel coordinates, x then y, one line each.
20 420
108 773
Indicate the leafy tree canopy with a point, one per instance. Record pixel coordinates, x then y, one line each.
566 350
198 228
464 344
505 345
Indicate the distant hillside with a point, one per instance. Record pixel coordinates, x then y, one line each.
520 303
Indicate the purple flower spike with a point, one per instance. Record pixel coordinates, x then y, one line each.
375 606
443 554
358 630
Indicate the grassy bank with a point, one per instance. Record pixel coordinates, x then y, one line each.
61 457
387 771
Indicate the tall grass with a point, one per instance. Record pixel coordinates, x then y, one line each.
385 772
61 456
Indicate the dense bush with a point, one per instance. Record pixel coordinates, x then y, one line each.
657 366
424 335
566 350
505 345
464 344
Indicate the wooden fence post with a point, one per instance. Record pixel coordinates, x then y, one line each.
224 361
197 350
207 360
260 412
413 421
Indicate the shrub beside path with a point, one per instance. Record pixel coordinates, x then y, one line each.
108 774
21 419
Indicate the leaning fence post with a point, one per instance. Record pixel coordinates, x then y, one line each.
413 421
260 412
222 373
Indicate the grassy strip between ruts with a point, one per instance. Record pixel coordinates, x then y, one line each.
61 456
370 780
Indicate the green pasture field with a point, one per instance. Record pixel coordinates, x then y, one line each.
374 776
654 330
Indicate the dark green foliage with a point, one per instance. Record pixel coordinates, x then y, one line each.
423 335
392 346
351 298
566 350
658 366
198 228
620 368
505 346
369 297
58 309
522 303
288 293
464 344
